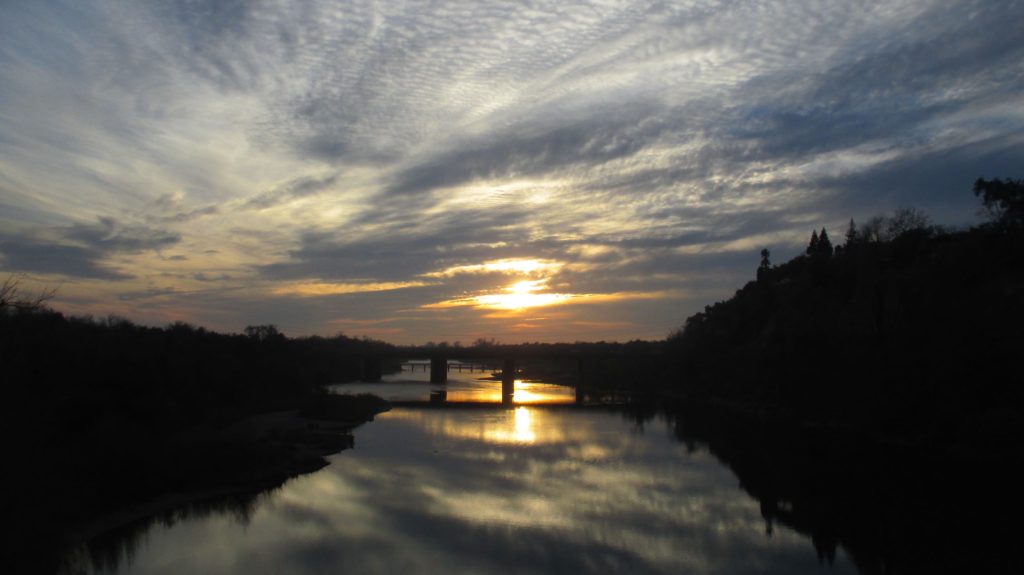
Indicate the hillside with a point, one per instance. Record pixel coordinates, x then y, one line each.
907 332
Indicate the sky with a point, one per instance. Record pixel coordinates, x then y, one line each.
447 171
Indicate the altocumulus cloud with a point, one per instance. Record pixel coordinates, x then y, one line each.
338 165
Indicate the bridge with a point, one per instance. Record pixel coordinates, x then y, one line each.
413 366
439 366
587 362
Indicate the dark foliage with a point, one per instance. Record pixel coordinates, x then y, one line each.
99 415
824 247
1004 200
908 334
890 508
851 234
765 266
812 246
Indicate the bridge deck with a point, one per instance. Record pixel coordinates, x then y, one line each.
499 405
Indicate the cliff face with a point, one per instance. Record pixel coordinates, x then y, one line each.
915 339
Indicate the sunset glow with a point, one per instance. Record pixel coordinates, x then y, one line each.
533 394
521 425
521 295
270 270
523 432
524 393
506 266
314 289
389 165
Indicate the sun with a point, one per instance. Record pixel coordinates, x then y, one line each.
521 295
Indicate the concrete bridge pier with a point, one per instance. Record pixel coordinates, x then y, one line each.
508 381
438 369
580 382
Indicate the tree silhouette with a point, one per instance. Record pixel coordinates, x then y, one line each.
905 220
824 247
819 246
851 234
873 230
12 297
263 332
812 246
1003 199
766 264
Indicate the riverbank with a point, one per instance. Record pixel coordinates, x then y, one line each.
893 506
993 437
243 456
301 437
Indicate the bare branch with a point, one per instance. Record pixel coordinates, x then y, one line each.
12 296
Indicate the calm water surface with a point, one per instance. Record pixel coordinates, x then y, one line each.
535 488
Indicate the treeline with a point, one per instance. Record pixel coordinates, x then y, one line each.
82 368
493 349
98 415
905 330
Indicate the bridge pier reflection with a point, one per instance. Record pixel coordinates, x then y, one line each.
438 369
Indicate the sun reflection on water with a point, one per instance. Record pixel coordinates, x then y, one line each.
523 430
520 426
524 392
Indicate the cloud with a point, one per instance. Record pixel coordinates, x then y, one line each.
295 189
204 277
407 245
57 259
187 216
147 294
79 250
536 150
645 147
315 289
503 266
108 236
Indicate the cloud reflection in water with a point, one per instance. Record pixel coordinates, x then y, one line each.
529 489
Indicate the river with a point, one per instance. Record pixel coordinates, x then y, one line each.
545 486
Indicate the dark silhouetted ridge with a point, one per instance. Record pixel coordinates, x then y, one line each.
907 333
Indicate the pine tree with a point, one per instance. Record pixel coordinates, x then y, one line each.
812 247
824 245
766 265
851 234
